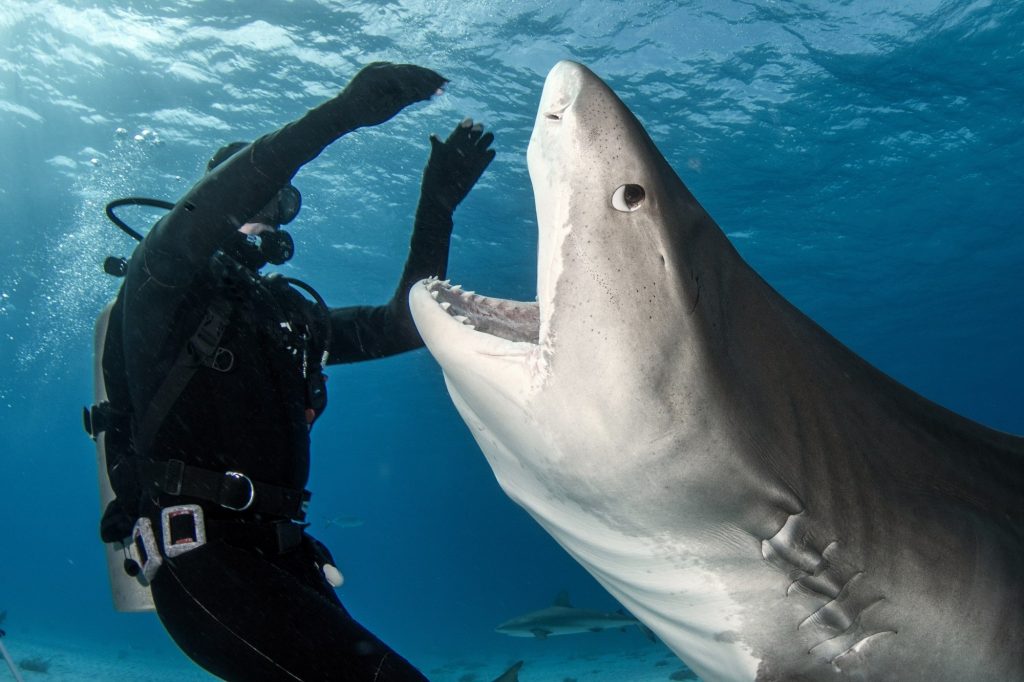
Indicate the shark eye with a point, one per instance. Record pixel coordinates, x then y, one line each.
628 198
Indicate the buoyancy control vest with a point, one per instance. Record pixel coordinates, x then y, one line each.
123 437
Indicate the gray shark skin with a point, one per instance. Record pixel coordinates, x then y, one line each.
562 618
768 503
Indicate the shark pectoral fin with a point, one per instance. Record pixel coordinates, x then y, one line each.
540 633
510 675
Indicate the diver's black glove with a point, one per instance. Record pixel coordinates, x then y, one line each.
455 165
381 90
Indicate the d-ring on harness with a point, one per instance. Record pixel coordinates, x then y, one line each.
231 490
252 490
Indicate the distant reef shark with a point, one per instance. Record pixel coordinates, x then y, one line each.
768 503
562 618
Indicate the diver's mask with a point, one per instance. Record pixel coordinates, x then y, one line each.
280 210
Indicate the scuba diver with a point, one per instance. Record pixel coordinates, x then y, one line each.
214 375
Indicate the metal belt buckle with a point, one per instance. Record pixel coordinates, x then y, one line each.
184 529
239 476
144 550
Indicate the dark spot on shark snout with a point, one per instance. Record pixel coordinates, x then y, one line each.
727 636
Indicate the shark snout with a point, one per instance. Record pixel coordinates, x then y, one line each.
561 88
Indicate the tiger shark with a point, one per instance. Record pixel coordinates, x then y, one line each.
768 503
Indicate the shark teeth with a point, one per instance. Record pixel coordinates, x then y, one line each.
515 321
441 289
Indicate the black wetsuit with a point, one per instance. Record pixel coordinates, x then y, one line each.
241 609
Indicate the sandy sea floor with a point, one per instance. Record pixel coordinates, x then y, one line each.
71 661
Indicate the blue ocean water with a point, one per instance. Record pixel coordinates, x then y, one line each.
865 160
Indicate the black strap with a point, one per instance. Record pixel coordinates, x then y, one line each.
231 490
94 419
202 349
103 417
270 538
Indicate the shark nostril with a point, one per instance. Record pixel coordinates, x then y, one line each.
555 109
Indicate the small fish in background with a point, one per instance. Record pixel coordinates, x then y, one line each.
562 618
343 521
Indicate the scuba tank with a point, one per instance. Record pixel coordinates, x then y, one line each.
129 593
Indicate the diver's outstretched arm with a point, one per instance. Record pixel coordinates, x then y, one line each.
365 332
237 189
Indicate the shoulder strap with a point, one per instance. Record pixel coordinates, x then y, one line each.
201 349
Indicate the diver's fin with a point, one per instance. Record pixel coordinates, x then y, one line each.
510 675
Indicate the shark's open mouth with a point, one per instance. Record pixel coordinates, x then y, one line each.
515 321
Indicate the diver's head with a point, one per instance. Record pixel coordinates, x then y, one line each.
261 239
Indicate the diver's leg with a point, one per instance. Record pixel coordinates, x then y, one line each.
246 618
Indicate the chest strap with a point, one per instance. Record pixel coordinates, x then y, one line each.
231 490
202 349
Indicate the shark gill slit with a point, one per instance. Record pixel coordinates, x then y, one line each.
855 629
834 602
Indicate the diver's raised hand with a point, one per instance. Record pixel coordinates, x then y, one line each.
381 90
456 164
